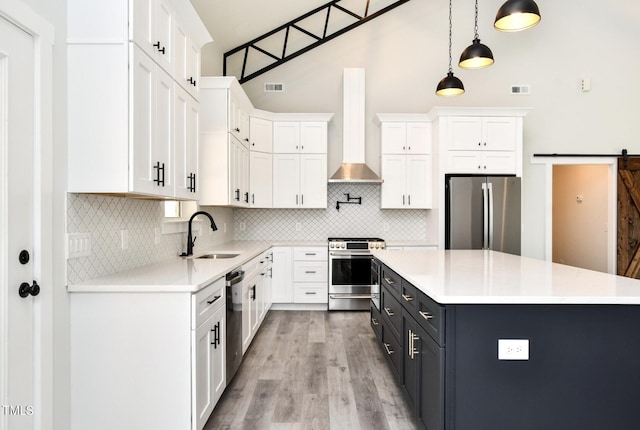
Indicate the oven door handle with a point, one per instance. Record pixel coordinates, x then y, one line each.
350 296
350 254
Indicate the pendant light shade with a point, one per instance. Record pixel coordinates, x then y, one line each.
450 85
516 15
476 55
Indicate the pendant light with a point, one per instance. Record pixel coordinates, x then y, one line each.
516 15
450 85
476 55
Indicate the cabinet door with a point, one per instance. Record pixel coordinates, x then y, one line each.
464 162
145 161
313 137
465 133
164 129
142 25
410 360
313 181
418 138
261 179
503 162
286 137
193 67
419 182
499 133
202 373
218 356
185 142
282 275
431 382
260 135
180 41
392 190
286 180
243 175
163 36
394 137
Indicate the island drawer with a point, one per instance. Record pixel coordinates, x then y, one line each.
393 351
376 322
408 295
391 311
391 280
430 315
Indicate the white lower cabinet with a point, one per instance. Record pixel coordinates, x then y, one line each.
256 300
146 360
282 280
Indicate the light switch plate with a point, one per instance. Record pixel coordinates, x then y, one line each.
513 349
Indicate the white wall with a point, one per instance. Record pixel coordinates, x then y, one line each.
580 216
405 55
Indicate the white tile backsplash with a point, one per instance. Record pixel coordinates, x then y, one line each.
365 220
104 217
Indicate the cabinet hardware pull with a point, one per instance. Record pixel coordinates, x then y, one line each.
253 198
389 312
26 289
389 281
246 197
310 253
309 271
246 139
386 346
302 199
403 200
215 298
296 199
374 322
238 194
407 298
157 45
216 335
479 143
253 295
194 183
310 293
237 130
426 315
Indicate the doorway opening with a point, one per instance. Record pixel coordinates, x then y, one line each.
581 227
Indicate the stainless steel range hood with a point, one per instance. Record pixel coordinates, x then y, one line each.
353 168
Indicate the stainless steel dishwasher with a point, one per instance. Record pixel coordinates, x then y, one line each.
234 321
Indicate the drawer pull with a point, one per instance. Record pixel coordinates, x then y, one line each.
426 315
374 322
309 253
389 281
310 271
389 312
215 299
407 298
389 350
310 293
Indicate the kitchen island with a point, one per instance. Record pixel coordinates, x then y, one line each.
487 340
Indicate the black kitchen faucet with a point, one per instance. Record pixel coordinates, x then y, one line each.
192 240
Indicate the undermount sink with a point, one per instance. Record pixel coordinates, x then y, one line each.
218 256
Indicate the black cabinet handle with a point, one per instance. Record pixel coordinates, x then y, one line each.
26 289
192 81
215 299
237 194
246 197
159 174
237 130
157 45
216 335
253 294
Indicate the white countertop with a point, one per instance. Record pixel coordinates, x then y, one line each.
489 277
182 274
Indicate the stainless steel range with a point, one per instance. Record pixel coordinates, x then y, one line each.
350 272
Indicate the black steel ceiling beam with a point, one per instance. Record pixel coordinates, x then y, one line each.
319 40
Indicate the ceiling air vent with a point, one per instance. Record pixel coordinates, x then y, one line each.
520 89
273 88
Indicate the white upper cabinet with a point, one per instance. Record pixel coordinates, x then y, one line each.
261 134
151 28
123 98
406 161
308 137
261 179
406 137
481 140
224 160
186 55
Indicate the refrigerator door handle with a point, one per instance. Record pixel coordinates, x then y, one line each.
490 222
485 216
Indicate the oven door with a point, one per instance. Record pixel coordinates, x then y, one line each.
349 280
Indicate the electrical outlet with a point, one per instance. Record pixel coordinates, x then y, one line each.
78 245
243 226
513 349
124 239
224 227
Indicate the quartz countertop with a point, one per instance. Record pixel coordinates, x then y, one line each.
183 274
490 277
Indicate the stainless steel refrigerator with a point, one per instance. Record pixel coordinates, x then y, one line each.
483 212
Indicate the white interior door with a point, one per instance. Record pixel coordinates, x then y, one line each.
21 251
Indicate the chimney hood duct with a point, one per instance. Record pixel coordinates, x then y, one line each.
353 168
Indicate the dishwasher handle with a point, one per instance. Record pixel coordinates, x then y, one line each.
234 277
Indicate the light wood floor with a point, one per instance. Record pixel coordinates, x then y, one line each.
313 370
